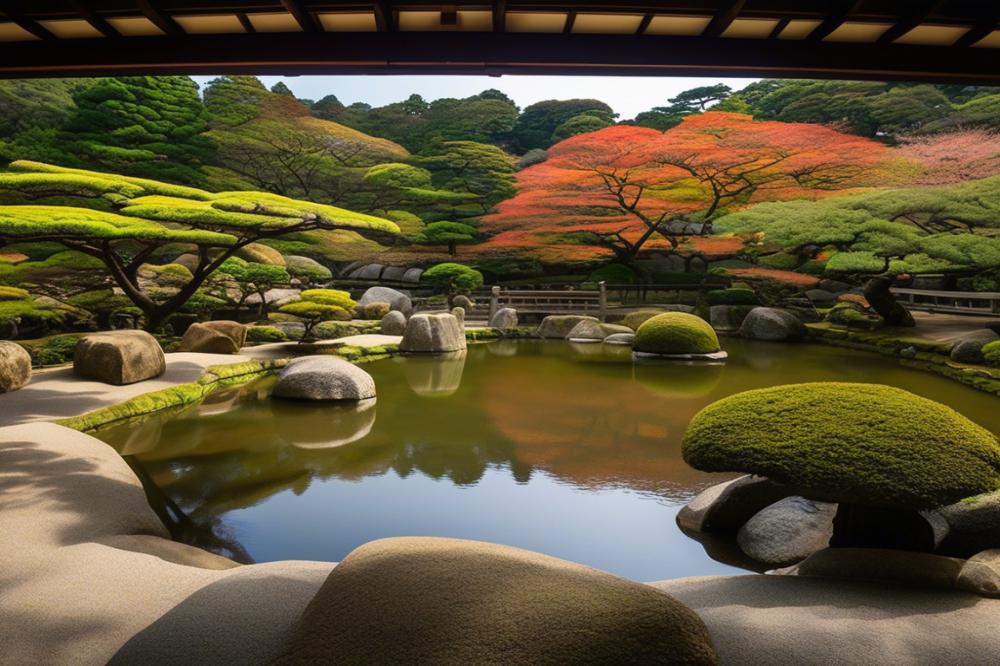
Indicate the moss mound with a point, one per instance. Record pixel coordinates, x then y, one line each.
842 442
991 353
676 333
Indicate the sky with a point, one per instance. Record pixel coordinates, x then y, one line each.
626 95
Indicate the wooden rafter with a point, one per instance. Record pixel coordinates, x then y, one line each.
305 20
385 20
983 28
160 19
500 16
723 18
835 20
647 18
96 21
570 21
25 23
910 22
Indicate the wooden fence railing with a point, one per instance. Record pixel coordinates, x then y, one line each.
957 302
550 301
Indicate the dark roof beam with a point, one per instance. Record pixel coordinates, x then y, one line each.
305 20
570 21
500 16
778 29
834 20
910 22
27 24
978 31
644 23
385 19
160 19
94 19
723 18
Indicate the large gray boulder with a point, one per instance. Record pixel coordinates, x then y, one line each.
969 348
559 326
293 330
324 378
726 506
15 366
397 300
836 286
413 275
727 318
973 524
821 297
433 334
772 324
424 600
275 297
504 319
393 274
369 272
214 337
463 301
393 323
788 531
119 357
594 331
307 267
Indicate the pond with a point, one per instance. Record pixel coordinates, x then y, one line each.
570 450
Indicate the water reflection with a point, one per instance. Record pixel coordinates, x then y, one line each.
529 443
439 375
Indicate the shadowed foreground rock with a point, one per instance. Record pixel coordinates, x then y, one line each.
417 600
119 357
15 366
559 326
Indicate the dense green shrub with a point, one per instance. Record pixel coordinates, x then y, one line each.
842 442
732 297
991 353
330 330
54 350
265 334
319 305
981 282
676 333
613 274
852 315
13 294
375 310
779 260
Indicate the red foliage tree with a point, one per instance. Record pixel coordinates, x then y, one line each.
627 189
954 157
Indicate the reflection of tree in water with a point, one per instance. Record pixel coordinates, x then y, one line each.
602 429
592 424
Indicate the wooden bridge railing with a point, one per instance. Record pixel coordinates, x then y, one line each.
957 302
550 301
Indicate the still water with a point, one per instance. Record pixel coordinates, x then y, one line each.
570 450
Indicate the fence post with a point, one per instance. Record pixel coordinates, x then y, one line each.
604 300
494 301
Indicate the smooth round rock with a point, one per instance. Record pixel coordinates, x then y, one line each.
594 331
397 300
15 366
772 324
620 339
789 530
214 337
119 357
969 349
449 602
504 319
393 323
324 378
559 326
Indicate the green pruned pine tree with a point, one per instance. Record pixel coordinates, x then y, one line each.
132 219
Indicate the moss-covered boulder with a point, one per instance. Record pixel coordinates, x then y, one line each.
842 442
969 348
676 333
636 319
438 601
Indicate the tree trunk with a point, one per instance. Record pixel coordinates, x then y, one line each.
885 304
451 248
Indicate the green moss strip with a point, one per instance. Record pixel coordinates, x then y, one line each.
214 379
929 356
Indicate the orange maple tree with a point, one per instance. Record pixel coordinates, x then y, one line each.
626 189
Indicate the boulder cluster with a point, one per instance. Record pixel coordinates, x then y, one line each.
852 467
